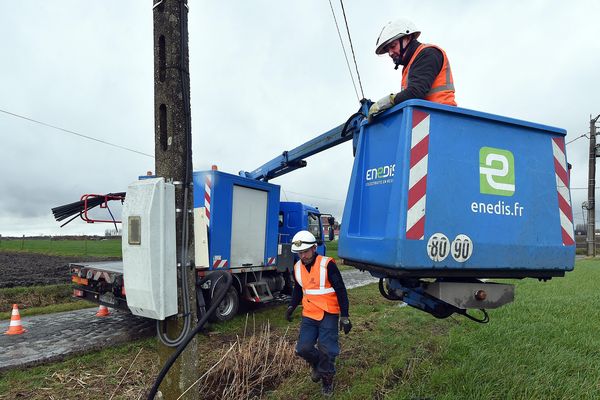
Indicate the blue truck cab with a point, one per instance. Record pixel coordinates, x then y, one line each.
295 217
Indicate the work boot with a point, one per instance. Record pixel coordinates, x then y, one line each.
327 388
315 375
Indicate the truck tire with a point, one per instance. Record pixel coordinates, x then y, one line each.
228 307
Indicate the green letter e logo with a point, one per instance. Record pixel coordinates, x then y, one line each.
496 171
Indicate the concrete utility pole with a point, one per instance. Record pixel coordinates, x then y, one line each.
591 206
173 152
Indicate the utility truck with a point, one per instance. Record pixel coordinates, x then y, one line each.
250 232
441 199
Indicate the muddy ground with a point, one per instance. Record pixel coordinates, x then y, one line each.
28 269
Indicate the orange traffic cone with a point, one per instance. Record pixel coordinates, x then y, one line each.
15 327
102 311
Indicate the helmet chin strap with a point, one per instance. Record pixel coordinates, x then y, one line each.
398 60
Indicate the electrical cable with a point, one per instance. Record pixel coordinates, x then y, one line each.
315 197
113 217
349 120
577 138
78 208
77 134
352 48
344 50
218 298
484 320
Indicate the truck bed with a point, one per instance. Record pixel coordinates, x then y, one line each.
108 266
100 282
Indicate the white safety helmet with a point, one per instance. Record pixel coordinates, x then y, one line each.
303 240
395 30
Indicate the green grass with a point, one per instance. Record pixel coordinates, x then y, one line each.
332 248
332 251
95 375
545 345
67 247
36 300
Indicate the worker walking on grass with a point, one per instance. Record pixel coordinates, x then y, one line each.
426 72
320 287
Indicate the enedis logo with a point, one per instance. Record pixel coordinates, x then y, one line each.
380 175
497 177
496 171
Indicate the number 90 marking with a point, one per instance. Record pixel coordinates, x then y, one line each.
462 248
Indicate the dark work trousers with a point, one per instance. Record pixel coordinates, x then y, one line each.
318 342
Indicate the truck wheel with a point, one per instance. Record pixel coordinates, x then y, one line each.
228 307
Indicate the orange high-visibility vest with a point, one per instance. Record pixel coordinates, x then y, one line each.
318 295
442 89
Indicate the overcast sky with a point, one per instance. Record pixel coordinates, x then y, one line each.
265 76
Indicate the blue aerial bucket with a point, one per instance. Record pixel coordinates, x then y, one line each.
440 191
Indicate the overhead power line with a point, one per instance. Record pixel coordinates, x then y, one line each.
577 138
77 134
352 48
315 197
344 50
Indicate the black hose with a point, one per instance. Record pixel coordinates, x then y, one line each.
484 320
386 294
349 120
219 298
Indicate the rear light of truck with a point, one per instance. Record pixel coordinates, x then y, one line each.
79 281
77 293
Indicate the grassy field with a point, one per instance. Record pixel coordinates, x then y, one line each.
83 247
545 345
35 300
91 248
53 298
332 251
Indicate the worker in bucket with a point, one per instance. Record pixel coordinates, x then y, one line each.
320 287
426 72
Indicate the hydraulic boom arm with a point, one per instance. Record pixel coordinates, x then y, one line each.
293 159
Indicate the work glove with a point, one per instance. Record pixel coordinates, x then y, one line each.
381 105
288 313
345 325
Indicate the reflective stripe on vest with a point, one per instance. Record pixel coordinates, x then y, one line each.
322 274
442 88
318 294
298 274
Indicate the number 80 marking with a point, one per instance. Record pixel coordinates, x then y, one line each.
438 247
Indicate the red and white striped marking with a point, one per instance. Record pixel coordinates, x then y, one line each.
562 187
219 263
271 261
417 176
207 194
102 274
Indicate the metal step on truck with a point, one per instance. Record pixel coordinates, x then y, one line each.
241 227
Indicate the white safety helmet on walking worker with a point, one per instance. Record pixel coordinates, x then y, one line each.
303 240
395 30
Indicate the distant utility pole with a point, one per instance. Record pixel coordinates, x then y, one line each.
591 205
173 158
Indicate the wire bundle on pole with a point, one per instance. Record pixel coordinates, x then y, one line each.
77 208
